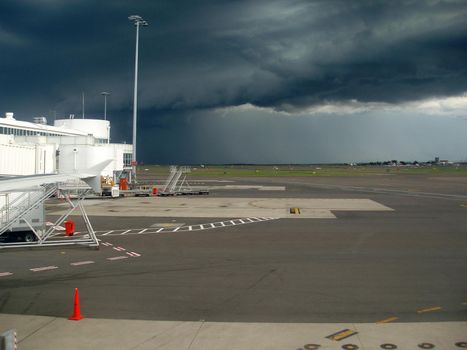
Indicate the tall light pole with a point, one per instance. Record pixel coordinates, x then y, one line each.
105 94
138 21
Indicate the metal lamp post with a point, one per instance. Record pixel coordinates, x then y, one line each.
138 21
105 94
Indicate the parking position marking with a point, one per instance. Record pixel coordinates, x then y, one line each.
387 320
343 334
4 274
117 257
79 263
44 268
429 309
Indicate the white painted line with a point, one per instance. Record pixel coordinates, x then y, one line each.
119 249
233 223
105 234
79 263
201 227
118 257
45 268
107 244
176 229
125 232
249 220
222 223
190 228
159 230
4 274
241 221
213 226
59 228
133 254
142 231
257 219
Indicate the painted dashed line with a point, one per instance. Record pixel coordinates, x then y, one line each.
387 320
4 274
429 309
107 244
79 263
119 249
197 227
133 254
120 257
44 268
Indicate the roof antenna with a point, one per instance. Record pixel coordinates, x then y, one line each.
82 95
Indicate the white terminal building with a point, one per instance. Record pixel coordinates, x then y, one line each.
70 145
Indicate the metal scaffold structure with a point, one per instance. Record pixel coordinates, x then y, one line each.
177 183
27 209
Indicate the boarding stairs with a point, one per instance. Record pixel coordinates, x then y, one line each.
22 205
177 184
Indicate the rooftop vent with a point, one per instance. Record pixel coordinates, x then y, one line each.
9 115
40 120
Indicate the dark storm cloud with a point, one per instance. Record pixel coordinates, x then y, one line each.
198 56
201 54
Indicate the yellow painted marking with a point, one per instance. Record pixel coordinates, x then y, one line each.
387 320
434 308
464 205
346 333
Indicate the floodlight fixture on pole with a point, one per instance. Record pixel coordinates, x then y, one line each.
138 21
105 94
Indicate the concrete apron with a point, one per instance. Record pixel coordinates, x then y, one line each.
40 332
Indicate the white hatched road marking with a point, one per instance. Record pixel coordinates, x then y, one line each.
118 257
79 263
133 254
4 274
44 268
197 227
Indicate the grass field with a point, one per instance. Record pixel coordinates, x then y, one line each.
303 170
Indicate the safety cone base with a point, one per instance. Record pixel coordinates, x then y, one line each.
76 317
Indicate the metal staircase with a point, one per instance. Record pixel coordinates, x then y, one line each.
22 205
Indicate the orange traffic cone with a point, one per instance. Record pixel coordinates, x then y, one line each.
76 309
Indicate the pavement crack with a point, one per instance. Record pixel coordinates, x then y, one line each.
196 335
37 330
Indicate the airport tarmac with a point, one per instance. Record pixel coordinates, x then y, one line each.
400 255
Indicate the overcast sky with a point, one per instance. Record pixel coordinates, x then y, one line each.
273 81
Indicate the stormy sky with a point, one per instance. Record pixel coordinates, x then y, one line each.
237 81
